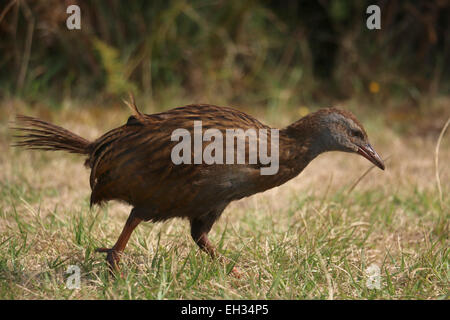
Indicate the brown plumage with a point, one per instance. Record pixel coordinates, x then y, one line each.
133 163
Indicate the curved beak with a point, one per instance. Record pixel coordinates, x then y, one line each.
371 155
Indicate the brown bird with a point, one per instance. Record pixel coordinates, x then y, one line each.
134 163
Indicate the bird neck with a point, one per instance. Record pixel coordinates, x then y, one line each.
299 144
297 151
304 140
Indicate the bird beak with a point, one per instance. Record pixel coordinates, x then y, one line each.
371 155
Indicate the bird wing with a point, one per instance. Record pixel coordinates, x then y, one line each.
133 163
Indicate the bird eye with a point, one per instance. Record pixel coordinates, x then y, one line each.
357 134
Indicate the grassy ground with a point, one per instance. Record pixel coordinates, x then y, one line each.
312 238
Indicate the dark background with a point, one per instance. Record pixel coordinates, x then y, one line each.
245 52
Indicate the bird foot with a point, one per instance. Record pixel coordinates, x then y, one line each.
236 272
112 258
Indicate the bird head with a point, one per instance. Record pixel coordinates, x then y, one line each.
337 130
343 132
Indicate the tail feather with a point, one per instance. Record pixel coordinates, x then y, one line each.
41 135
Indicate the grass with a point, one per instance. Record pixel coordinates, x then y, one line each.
309 239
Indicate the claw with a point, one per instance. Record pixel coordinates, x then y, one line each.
236 272
112 258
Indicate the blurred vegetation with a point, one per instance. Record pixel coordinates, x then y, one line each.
267 53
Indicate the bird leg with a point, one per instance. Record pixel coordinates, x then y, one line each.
113 254
199 232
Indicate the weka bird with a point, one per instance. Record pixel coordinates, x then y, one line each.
133 163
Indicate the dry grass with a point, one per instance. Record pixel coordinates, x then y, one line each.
310 238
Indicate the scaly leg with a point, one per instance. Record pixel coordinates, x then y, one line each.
113 254
199 232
